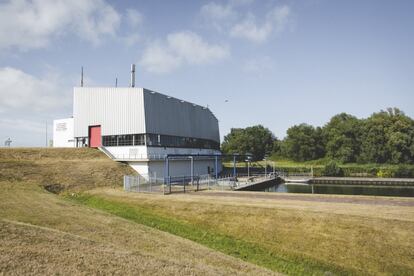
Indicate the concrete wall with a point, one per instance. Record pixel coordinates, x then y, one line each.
125 152
177 167
183 167
140 167
63 133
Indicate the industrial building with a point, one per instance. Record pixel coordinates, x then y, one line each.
141 127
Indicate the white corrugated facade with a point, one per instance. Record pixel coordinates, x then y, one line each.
117 110
138 110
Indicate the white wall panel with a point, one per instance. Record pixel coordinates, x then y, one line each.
117 110
63 133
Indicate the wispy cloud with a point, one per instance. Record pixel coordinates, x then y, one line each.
179 49
134 18
258 65
22 93
29 24
217 11
229 18
275 22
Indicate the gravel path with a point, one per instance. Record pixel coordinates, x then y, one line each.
392 201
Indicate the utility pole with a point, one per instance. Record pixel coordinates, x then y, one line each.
81 81
46 133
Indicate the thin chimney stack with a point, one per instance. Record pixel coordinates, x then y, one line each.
132 84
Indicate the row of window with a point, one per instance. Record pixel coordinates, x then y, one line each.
123 140
158 140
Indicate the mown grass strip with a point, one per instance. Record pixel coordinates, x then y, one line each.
226 244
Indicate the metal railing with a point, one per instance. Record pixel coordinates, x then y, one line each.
139 156
144 184
176 184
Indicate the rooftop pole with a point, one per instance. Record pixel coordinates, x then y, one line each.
81 81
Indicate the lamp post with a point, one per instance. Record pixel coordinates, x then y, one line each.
234 165
192 169
248 160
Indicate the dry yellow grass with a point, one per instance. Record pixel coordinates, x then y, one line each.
42 233
357 238
75 169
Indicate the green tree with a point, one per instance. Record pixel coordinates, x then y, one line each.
388 137
303 142
343 137
256 140
332 169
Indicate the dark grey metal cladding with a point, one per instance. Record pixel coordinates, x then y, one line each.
170 116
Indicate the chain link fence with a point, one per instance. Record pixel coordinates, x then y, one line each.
176 184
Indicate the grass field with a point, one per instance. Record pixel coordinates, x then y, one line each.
43 233
291 236
94 227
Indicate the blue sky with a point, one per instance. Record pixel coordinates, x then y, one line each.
276 63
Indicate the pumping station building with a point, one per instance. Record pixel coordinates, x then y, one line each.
143 127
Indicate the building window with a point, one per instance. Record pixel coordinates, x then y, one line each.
155 140
109 141
139 139
125 140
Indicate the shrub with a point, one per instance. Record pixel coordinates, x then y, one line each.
383 173
332 169
404 171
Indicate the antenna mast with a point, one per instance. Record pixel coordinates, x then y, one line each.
81 82
132 84
46 133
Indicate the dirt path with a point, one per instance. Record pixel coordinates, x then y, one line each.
372 200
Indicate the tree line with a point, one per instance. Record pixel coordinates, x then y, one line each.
384 137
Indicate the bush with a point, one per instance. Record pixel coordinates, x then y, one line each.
383 173
404 171
332 169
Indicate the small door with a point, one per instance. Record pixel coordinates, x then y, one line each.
95 138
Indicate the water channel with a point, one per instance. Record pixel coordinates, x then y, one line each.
372 190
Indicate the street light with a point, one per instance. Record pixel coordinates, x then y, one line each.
248 160
265 159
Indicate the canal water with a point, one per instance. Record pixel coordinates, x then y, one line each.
374 190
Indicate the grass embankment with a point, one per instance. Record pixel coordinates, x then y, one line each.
43 233
61 169
110 231
294 237
227 244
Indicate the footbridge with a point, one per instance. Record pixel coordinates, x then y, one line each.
263 181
